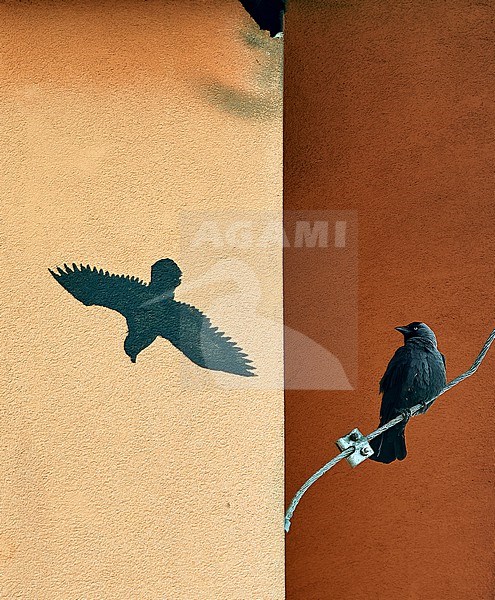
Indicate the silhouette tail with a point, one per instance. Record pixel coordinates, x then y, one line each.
389 446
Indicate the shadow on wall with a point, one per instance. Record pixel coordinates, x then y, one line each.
261 95
151 311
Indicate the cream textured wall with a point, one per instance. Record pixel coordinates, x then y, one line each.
120 480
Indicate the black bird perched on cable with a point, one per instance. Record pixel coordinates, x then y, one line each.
151 311
415 375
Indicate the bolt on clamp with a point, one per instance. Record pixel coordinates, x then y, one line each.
356 440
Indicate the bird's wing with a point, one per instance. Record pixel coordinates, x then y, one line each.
397 379
192 333
394 372
409 375
444 361
97 287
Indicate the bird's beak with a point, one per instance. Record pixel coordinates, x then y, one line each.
402 330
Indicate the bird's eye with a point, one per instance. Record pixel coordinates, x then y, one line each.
415 328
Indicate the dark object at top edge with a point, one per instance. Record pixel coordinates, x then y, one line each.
268 14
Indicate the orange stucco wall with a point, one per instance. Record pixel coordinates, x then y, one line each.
389 111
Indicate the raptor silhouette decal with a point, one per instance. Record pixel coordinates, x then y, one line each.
151 311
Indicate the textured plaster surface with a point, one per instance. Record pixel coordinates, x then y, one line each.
389 111
119 481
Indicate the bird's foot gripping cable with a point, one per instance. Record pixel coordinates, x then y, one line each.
424 406
406 414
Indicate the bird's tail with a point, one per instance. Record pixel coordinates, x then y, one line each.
389 446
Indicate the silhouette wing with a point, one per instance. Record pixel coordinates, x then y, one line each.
194 335
97 287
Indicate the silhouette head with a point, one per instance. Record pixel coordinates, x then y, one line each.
165 275
417 329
